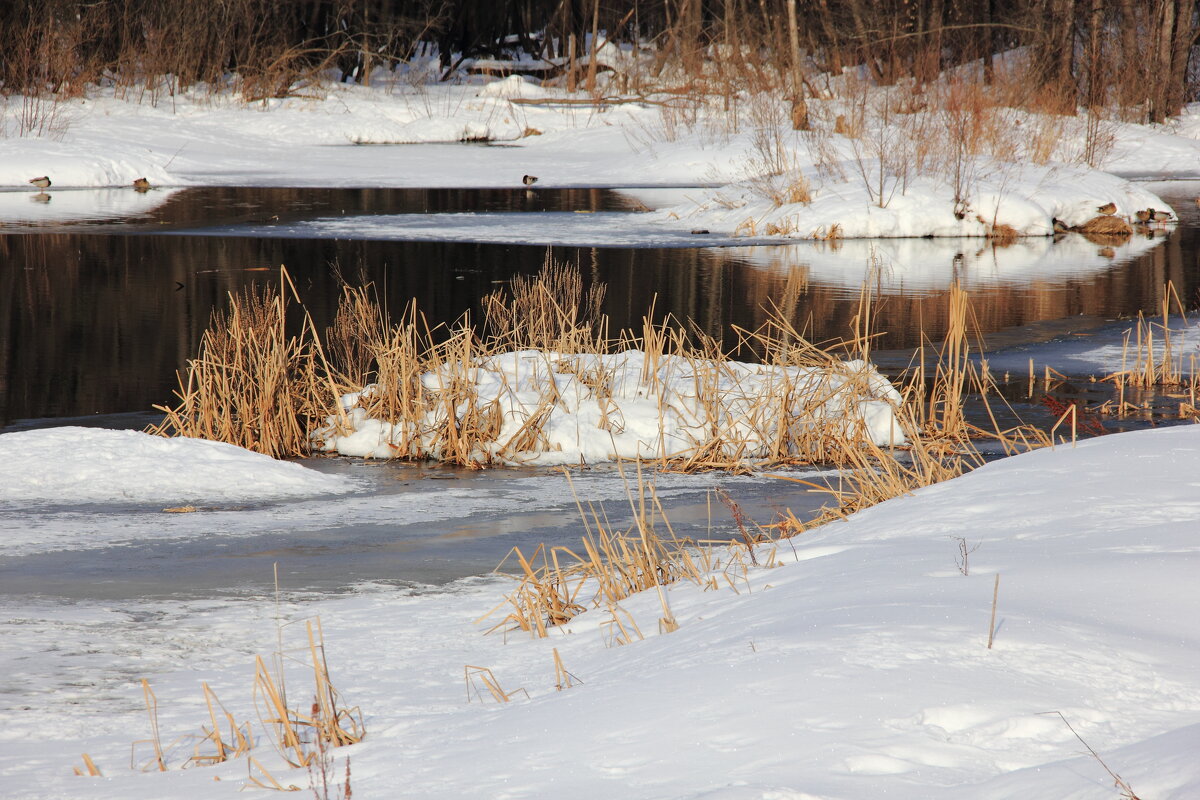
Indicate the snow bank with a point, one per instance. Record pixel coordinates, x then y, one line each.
204 136
858 669
564 409
1025 198
93 465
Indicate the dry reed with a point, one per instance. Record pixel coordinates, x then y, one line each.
252 384
1154 360
476 676
303 740
255 386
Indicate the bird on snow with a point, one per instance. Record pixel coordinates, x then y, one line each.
142 185
41 183
1157 216
529 180
1107 209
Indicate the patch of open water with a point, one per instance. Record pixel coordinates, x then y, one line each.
104 299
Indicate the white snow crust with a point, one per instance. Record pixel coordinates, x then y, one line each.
641 409
407 133
93 465
858 668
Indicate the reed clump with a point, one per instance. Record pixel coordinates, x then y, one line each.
252 384
474 398
556 584
1150 355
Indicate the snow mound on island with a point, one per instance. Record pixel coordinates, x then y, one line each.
563 409
1025 198
94 465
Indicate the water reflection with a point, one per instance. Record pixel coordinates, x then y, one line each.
269 211
52 207
95 321
932 265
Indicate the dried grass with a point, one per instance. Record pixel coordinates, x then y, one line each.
1150 358
1106 225
255 386
556 584
252 384
302 739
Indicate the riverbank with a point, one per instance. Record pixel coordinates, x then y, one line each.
858 665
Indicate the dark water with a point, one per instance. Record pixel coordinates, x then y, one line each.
98 312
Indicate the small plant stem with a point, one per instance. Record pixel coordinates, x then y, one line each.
992 624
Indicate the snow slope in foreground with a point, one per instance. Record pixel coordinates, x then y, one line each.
93 465
859 669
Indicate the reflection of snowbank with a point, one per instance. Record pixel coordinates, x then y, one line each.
78 205
76 465
933 264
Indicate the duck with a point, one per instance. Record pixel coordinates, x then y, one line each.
141 185
1160 216
1143 214
1108 209
529 180
41 183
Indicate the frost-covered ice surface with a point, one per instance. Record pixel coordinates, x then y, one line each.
93 465
424 509
561 229
859 668
569 409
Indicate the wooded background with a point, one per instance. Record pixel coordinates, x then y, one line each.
1135 54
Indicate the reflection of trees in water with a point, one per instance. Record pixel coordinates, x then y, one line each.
100 323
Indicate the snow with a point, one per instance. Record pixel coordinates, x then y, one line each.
405 133
1025 198
858 668
92 465
594 408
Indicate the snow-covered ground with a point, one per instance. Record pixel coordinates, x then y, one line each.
858 668
134 467
393 134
